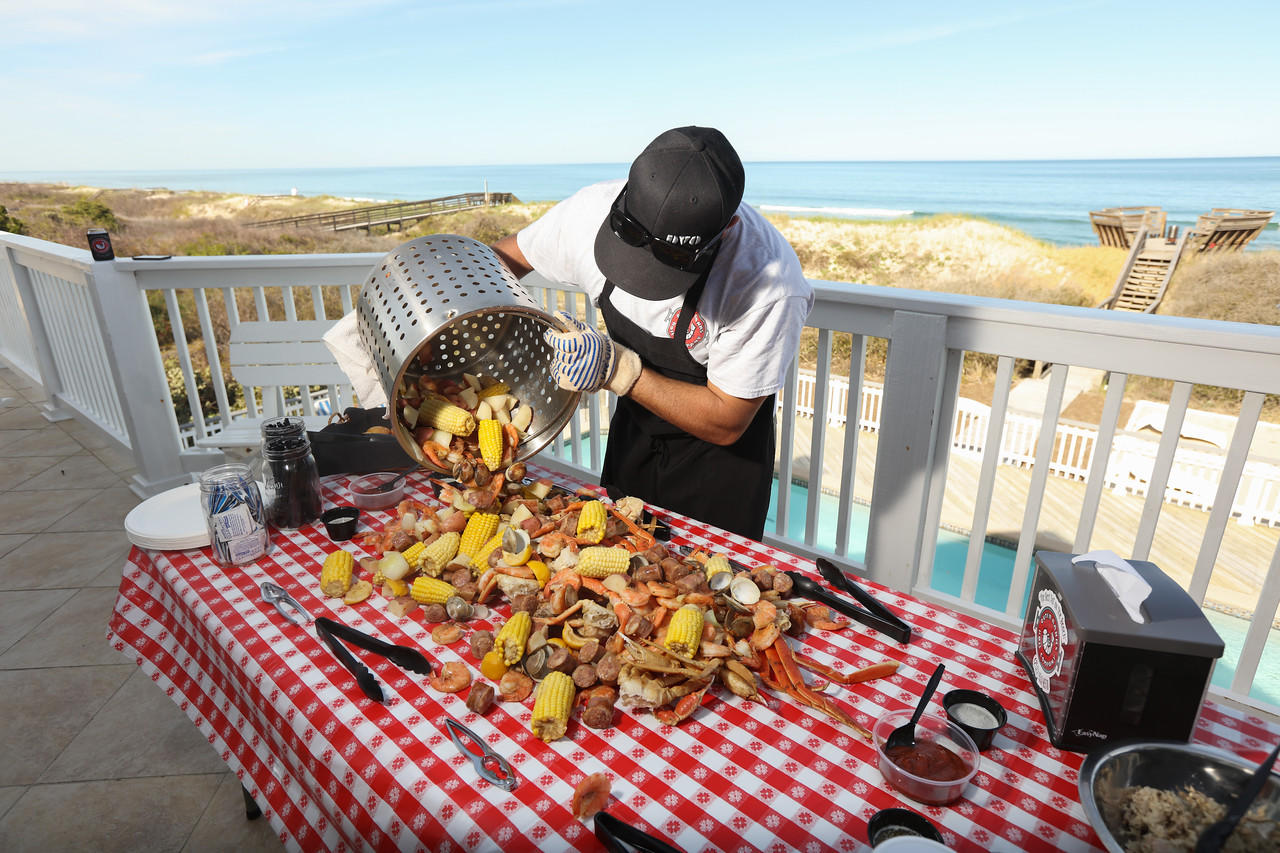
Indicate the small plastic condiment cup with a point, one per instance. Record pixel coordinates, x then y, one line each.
930 729
365 494
897 822
969 709
340 522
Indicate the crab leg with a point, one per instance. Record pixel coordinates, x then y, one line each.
644 539
804 693
560 617
867 673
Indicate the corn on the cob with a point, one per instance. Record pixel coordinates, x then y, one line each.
512 637
439 413
591 522
491 443
335 575
480 561
438 554
684 633
495 388
599 561
413 554
551 706
431 590
716 564
480 529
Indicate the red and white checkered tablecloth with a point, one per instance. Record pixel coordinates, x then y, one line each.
334 770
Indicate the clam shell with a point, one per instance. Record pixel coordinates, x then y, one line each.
720 581
458 608
535 663
744 590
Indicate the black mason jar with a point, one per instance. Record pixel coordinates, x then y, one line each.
291 481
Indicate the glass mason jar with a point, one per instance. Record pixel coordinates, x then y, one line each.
283 427
235 515
291 481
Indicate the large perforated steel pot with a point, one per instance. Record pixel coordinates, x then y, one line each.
446 305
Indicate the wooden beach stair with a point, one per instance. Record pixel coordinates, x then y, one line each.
1117 226
1228 229
1146 272
386 215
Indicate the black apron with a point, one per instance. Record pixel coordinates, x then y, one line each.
649 458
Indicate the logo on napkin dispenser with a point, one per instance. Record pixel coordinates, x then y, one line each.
1050 638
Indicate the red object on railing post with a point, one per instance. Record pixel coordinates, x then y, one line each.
100 244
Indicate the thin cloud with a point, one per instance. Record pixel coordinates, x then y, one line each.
74 20
901 38
221 57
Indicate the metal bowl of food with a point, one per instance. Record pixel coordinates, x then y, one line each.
1136 792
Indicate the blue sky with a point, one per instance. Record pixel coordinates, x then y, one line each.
154 84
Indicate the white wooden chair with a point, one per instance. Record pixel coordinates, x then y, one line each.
272 356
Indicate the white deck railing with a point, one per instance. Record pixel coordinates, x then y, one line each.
85 332
1193 480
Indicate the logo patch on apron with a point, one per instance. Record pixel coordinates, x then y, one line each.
697 329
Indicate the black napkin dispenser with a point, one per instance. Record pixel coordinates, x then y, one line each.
1100 676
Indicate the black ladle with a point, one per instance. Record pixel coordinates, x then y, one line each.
906 735
1212 839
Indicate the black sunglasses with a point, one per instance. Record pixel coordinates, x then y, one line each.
675 255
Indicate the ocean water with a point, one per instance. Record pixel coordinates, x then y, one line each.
1047 199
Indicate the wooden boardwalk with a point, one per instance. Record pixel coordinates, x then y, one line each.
386 215
1241 563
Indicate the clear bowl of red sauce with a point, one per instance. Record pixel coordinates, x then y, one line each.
937 768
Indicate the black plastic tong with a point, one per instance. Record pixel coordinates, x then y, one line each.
875 615
620 837
402 656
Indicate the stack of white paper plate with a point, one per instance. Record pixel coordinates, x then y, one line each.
170 521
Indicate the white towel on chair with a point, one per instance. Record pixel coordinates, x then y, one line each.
343 340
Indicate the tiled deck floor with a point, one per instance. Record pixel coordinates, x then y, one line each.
95 757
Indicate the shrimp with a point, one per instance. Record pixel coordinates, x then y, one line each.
764 613
637 596
515 686
591 796
553 543
453 678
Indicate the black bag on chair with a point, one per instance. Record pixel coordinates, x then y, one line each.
344 447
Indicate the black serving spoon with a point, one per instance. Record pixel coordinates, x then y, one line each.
1212 839
905 735
391 484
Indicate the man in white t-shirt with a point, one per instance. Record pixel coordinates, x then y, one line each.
703 301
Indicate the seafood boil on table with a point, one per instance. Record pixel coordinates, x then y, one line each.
602 614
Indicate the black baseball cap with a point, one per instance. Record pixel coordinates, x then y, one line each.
684 189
